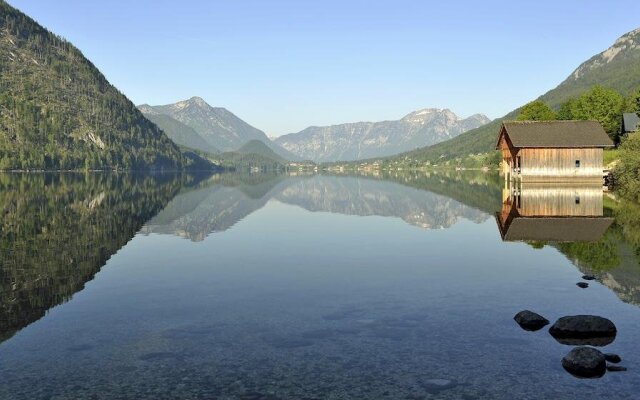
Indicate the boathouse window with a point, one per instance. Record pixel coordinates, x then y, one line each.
577 163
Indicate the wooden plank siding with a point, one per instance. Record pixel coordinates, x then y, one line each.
563 162
552 151
553 200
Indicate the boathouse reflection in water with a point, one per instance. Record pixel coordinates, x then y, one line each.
552 212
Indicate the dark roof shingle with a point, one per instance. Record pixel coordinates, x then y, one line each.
555 229
556 134
630 122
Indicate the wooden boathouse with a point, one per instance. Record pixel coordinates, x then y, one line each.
552 151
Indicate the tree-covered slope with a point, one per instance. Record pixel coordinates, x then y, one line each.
57 111
244 161
617 68
259 148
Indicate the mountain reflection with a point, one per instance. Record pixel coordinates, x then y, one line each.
552 213
215 205
58 230
221 202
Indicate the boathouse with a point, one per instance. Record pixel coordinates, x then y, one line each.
552 150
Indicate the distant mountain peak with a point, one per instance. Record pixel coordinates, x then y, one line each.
199 101
428 113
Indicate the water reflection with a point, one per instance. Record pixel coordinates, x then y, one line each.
219 203
546 212
373 306
58 230
595 230
215 205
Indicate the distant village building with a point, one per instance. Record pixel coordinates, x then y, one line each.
552 150
630 123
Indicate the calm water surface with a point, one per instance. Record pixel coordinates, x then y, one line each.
314 287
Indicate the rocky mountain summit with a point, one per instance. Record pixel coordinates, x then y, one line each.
360 140
219 127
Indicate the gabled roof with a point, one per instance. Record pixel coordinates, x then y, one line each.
554 229
630 122
556 134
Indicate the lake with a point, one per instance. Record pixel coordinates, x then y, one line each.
402 286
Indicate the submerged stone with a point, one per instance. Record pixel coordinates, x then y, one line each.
582 285
585 362
588 277
434 386
612 358
530 321
584 329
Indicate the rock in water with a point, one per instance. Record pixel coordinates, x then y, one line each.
588 277
583 328
612 358
435 386
530 321
582 285
585 362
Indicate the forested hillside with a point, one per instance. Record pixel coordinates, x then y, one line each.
57 111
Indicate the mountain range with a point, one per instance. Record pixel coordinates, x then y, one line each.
195 124
618 67
354 141
219 128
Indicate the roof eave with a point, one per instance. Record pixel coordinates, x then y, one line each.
595 146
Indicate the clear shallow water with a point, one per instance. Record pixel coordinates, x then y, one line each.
298 287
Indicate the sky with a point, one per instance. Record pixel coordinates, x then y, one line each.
285 65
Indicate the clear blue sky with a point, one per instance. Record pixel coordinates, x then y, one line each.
285 65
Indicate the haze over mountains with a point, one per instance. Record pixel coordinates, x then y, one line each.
353 141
